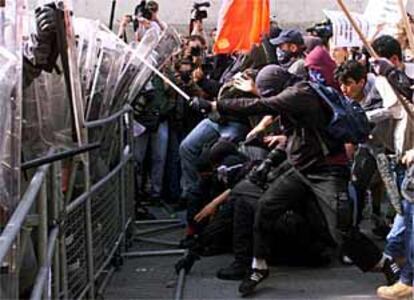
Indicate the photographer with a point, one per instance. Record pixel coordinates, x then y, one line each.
147 13
198 14
144 18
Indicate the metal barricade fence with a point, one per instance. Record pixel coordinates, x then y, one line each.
73 236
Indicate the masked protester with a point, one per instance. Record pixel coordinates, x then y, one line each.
321 67
289 52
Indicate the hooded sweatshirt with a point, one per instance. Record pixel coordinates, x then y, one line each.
320 61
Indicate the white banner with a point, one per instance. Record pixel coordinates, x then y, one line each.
384 11
344 34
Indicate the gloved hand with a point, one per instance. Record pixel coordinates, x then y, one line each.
44 47
201 105
382 66
46 18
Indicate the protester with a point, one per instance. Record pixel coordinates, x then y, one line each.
399 241
290 47
298 103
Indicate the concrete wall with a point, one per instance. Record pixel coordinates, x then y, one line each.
178 11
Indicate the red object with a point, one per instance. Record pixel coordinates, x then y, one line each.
320 60
242 23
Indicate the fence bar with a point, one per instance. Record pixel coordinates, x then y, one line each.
58 156
154 253
158 241
43 274
122 177
180 285
15 223
159 229
95 188
110 256
155 222
88 223
42 230
105 282
110 119
82 295
56 194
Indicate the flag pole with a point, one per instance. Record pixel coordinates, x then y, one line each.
407 24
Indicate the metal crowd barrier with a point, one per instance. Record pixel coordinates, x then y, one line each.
77 236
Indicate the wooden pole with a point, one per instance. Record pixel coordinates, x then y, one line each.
407 24
361 35
406 104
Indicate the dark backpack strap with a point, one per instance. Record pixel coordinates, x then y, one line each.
324 147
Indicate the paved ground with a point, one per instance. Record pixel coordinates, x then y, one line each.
154 278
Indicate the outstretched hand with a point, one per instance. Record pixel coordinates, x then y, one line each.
207 212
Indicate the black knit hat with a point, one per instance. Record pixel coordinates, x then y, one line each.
273 79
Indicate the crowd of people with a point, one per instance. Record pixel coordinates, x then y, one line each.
281 149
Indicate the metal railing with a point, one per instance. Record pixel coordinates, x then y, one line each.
72 235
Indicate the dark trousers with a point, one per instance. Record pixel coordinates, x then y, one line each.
245 197
330 186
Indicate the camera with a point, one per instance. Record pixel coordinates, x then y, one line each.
259 174
199 11
196 51
322 30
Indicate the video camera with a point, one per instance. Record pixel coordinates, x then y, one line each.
199 11
322 30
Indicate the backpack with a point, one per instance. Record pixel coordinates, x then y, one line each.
349 123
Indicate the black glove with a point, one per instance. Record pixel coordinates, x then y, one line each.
201 105
44 48
46 19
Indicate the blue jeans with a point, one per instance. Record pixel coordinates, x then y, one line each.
407 269
400 242
395 246
205 133
158 143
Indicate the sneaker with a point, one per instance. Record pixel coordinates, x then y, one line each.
398 291
391 271
253 278
236 271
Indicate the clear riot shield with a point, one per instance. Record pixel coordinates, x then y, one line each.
164 49
101 64
53 103
12 30
133 66
87 44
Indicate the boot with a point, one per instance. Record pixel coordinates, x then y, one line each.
398 291
236 271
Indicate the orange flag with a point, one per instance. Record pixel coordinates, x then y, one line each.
242 23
